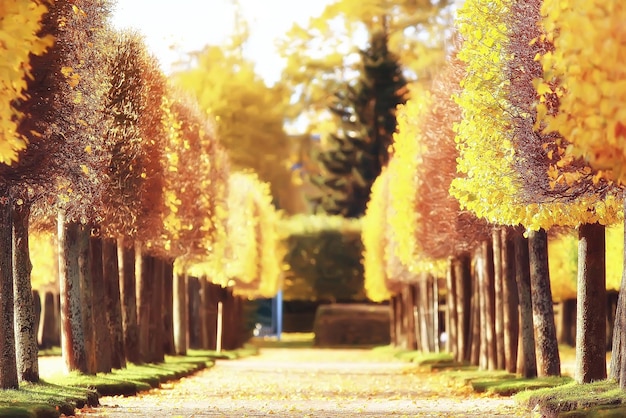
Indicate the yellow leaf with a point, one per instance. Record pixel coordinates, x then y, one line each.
543 88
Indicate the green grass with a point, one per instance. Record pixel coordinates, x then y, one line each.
63 393
602 398
287 340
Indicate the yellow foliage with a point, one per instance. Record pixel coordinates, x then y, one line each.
488 184
403 166
592 111
373 236
20 20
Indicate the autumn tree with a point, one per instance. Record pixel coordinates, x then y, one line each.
248 115
66 93
588 112
21 21
133 203
195 193
367 114
536 185
425 150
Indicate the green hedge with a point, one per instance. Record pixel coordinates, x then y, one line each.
324 258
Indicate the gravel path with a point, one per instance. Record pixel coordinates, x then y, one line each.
308 383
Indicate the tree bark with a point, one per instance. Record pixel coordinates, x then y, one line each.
145 286
451 318
49 328
25 319
193 309
8 365
591 306
203 310
511 301
87 296
487 306
476 326
424 308
543 312
618 358
72 336
527 358
102 338
498 298
392 321
180 313
128 298
168 307
463 277
111 275
215 296
37 308
409 303
155 341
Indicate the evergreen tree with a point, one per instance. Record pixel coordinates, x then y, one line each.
366 112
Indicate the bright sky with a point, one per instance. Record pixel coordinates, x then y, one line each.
189 25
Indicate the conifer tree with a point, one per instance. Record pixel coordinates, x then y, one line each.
366 111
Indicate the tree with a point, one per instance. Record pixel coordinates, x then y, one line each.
247 114
367 112
21 21
589 110
321 55
536 185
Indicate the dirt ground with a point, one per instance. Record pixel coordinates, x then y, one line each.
309 383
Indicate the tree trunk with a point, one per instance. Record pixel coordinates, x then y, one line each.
145 286
102 336
168 307
434 289
8 364
87 296
128 298
193 312
155 342
527 359
476 326
591 307
215 297
25 319
451 318
204 310
111 274
72 336
618 357
498 298
425 318
409 303
48 331
511 301
180 313
463 277
392 321
37 308
543 312
484 265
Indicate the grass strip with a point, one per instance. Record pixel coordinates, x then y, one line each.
598 399
63 393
